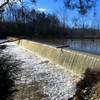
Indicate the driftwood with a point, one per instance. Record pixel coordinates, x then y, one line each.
62 46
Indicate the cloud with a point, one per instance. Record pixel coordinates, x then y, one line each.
42 9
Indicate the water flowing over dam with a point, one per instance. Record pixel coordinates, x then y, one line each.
73 60
40 79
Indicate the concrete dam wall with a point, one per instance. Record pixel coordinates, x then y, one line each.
74 61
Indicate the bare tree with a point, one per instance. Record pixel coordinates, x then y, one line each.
81 5
5 3
2 9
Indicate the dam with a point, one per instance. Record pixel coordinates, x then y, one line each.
52 71
73 60
39 78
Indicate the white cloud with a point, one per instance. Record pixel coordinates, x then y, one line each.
42 9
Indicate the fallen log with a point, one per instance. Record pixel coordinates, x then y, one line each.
63 46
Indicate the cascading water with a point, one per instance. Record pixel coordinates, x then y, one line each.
40 79
73 60
49 77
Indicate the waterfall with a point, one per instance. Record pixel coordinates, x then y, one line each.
75 61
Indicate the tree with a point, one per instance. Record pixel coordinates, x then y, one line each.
5 3
81 5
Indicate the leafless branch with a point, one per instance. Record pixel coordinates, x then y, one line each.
5 3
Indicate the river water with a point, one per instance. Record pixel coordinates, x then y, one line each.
87 45
40 79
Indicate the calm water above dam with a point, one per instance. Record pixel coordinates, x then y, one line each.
88 45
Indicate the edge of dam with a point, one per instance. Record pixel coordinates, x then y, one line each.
75 61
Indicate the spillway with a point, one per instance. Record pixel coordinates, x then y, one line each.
41 79
75 61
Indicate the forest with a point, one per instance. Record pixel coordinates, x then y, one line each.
23 22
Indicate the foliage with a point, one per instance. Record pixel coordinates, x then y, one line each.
81 5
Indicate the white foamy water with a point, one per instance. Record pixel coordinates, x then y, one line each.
54 80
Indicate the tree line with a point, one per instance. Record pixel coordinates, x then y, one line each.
20 21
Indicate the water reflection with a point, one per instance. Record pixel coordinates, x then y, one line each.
89 45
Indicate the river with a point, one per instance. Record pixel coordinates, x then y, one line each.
41 79
87 45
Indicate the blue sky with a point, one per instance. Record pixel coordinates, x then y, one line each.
50 6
